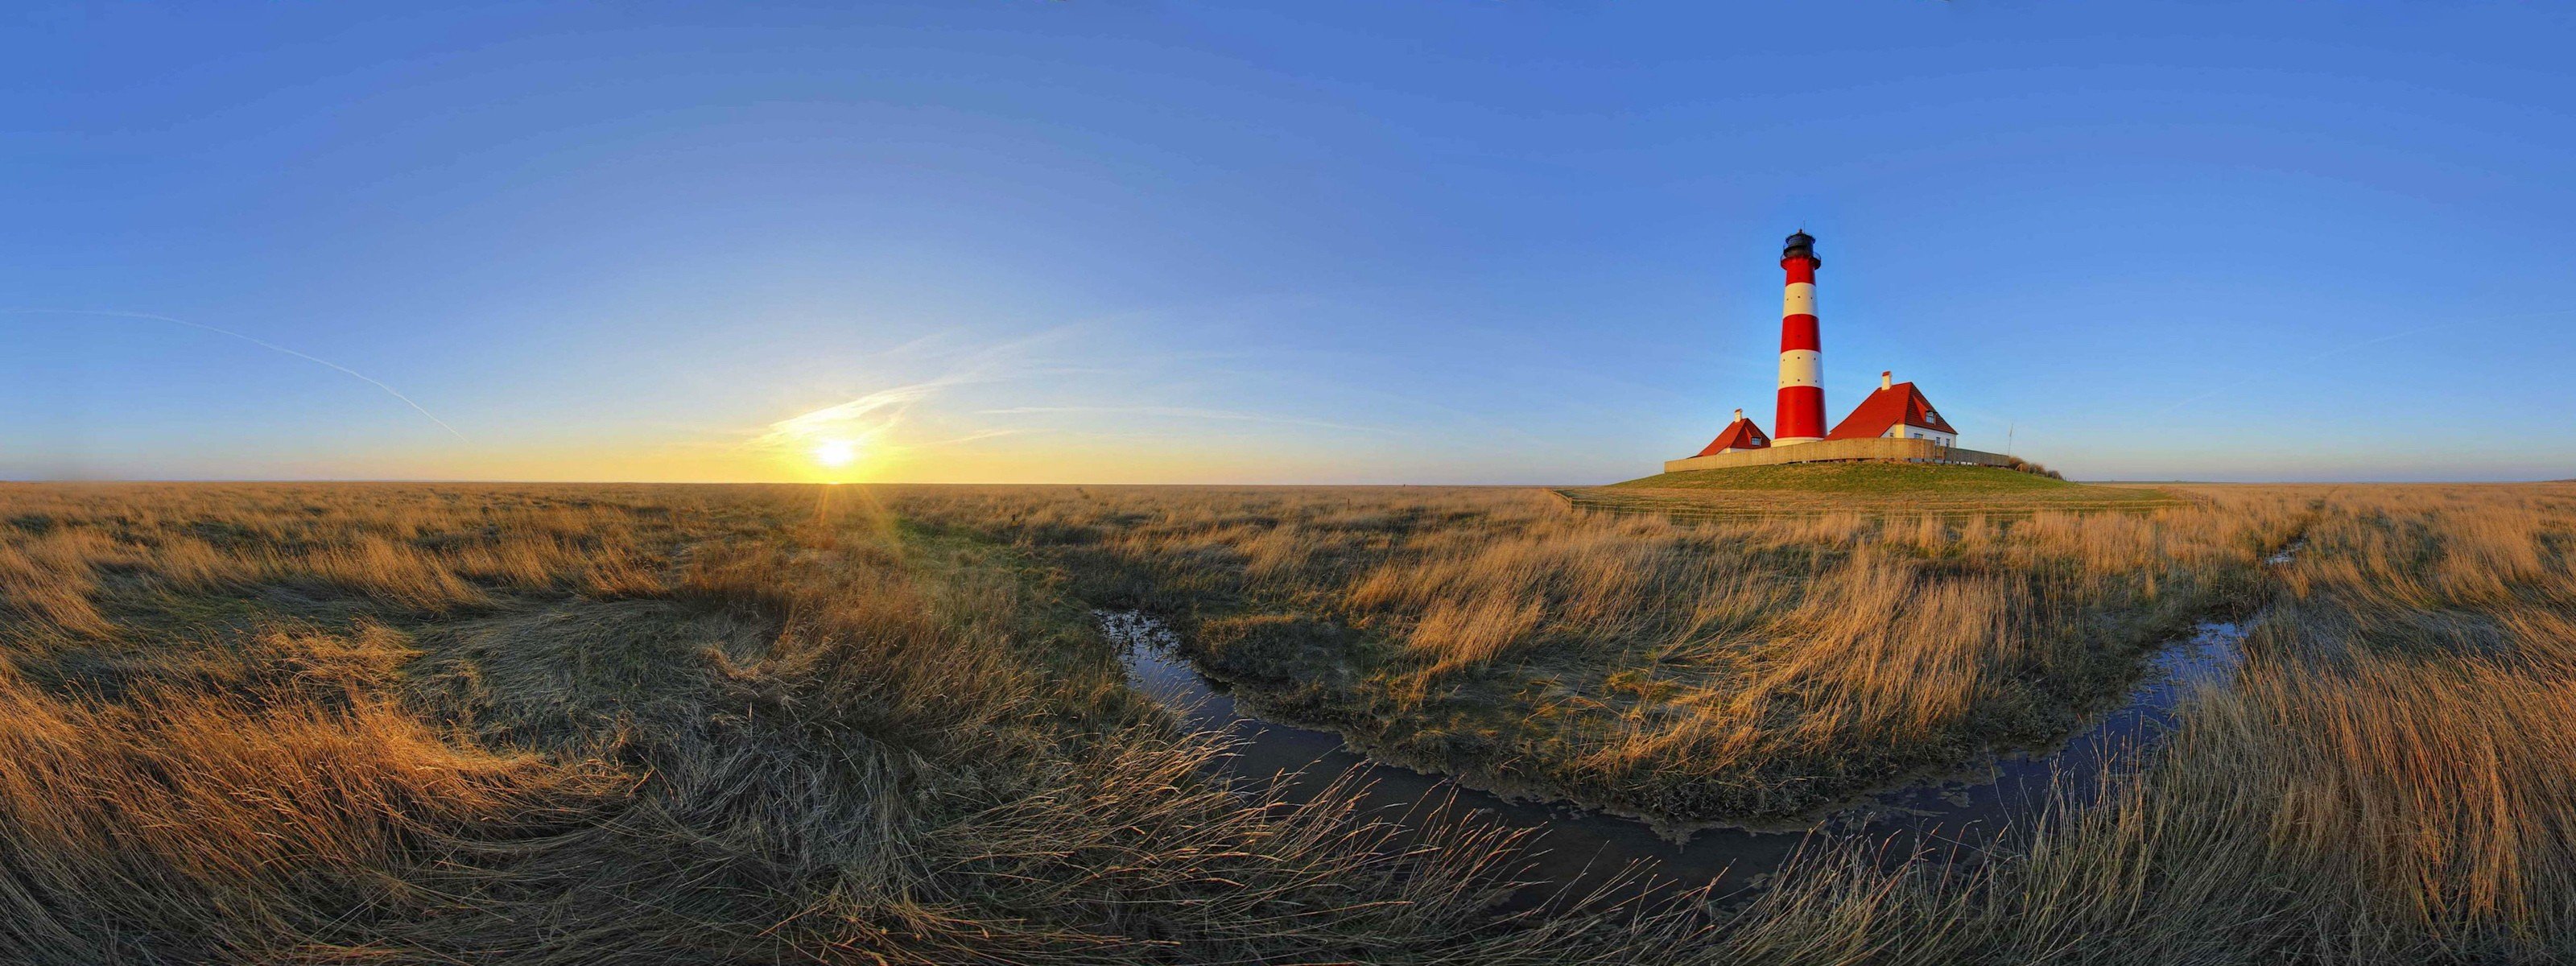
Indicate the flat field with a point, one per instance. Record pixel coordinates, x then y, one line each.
556 724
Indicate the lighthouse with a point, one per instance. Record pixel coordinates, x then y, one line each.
1895 424
1801 416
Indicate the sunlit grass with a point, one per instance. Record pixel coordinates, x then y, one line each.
1781 664
695 724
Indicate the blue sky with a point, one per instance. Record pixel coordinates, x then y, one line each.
1099 242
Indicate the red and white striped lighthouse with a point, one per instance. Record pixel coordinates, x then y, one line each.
1801 417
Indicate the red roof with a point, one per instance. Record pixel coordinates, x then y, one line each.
1884 409
1740 434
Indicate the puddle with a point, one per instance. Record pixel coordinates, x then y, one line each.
1582 846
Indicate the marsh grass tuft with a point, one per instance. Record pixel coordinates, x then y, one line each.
1723 670
583 724
684 725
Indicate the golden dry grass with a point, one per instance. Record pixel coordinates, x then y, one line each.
2387 781
616 724
699 724
1691 670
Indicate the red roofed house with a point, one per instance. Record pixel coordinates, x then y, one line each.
1739 435
1896 411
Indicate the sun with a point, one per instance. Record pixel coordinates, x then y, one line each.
836 452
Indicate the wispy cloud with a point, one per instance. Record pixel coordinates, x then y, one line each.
860 418
946 391
262 343
878 413
981 434
1184 412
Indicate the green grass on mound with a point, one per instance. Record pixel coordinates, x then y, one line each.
1865 478
1815 489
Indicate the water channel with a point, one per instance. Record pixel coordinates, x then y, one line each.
1581 846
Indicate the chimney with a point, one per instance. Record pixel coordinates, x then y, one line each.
1886 379
1739 415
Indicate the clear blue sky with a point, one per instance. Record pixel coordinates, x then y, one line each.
1310 242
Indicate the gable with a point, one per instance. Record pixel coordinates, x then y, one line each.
1740 434
1888 408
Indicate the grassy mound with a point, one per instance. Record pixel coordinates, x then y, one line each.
1864 478
1815 489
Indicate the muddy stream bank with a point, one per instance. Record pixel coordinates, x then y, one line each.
1581 846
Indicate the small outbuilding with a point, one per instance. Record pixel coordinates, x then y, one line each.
1896 411
1739 435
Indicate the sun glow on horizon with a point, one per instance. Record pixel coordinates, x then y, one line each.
839 444
836 453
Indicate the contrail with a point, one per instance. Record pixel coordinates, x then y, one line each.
271 346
